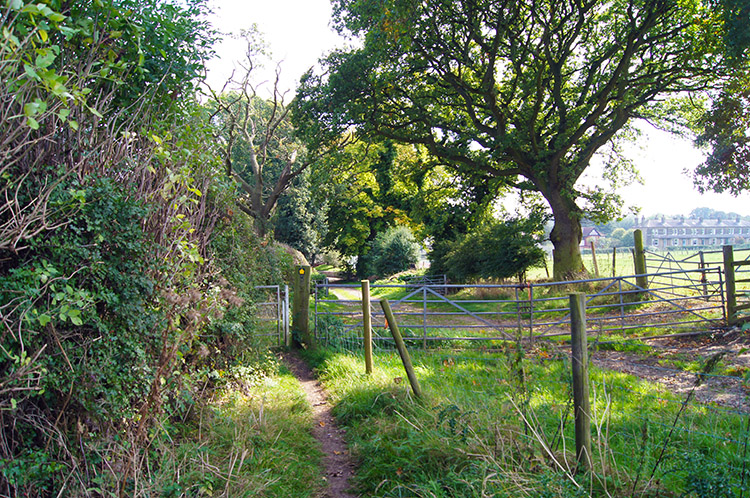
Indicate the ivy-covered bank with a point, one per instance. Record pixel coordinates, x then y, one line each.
125 277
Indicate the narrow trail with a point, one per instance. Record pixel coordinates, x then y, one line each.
337 462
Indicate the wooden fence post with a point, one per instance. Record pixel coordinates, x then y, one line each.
301 307
405 359
703 274
581 402
593 257
639 262
614 262
367 325
729 285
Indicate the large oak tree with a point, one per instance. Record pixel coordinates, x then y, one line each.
521 92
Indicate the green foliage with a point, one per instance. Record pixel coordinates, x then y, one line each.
499 249
393 251
94 280
109 202
299 222
521 94
246 261
724 134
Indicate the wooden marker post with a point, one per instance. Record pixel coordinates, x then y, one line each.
301 306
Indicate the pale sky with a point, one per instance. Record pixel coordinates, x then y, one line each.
298 33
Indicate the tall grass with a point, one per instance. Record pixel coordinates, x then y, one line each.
252 440
500 424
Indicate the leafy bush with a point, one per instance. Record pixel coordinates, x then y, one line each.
393 251
245 261
499 249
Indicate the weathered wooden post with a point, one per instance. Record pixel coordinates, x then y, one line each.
367 325
639 262
729 285
703 274
580 364
614 262
301 306
401 347
593 257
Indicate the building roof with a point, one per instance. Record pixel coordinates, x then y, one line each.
590 232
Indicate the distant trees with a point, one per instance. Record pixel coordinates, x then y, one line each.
300 221
522 94
260 151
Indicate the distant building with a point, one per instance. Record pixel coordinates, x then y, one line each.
682 232
590 234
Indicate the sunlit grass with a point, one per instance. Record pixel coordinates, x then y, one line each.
252 440
486 429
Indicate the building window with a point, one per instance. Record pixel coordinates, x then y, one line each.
695 242
675 242
711 231
656 242
730 231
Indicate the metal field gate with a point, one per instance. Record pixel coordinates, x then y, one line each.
272 315
673 302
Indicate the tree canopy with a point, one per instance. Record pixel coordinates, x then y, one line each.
520 93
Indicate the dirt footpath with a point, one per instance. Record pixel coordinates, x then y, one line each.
338 463
661 365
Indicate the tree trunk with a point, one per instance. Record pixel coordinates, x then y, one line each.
566 238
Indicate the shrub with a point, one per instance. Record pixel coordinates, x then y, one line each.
394 251
499 249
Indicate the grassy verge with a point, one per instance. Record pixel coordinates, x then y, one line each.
252 440
501 425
